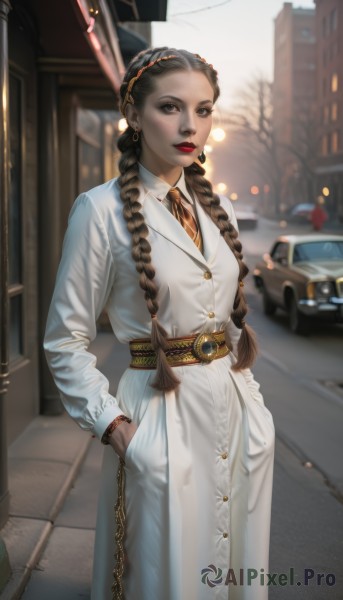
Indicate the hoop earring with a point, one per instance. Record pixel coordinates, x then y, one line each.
135 136
202 157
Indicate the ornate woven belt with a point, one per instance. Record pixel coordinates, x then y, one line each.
187 350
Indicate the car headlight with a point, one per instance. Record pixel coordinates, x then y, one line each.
324 289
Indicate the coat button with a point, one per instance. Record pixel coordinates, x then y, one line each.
225 498
207 275
224 455
211 315
225 534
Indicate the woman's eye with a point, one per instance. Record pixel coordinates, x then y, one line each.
169 107
204 111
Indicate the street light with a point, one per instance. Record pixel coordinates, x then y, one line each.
221 188
326 191
218 134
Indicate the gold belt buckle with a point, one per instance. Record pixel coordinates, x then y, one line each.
205 347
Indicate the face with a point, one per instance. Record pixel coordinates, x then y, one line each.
174 122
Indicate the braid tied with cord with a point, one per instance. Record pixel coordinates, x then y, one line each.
129 191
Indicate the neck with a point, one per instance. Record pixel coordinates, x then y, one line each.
170 175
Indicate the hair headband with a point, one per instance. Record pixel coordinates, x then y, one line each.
128 98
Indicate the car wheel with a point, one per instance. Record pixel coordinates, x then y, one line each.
297 321
269 307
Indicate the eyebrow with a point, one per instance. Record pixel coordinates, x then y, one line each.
170 97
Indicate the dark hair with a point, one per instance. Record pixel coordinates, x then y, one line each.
194 174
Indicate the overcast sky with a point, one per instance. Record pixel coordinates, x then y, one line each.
237 37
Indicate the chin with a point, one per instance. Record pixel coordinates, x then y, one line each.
186 161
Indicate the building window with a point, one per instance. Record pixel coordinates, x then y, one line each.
334 111
325 145
324 86
334 142
89 149
325 115
334 82
333 20
324 27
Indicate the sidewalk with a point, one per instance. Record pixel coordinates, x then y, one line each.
51 530
43 464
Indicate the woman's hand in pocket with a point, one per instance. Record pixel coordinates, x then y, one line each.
121 437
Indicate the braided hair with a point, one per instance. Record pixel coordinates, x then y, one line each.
129 192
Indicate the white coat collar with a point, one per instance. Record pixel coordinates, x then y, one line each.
160 188
159 218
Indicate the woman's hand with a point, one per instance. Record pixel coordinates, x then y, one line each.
121 437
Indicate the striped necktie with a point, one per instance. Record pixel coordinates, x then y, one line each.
184 216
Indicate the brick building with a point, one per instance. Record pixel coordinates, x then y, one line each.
294 90
329 167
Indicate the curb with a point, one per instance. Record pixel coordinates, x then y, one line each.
21 574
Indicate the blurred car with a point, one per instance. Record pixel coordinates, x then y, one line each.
303 274
246 219
300 213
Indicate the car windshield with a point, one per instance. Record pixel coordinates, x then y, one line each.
322 250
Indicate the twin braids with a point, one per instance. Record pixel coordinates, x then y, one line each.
164 60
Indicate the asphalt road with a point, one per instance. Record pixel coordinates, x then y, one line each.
300 379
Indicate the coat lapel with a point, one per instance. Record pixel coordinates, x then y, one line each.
158 218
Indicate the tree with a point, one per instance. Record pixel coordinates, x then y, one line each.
252 118
287 161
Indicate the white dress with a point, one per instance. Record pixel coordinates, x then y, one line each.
199 468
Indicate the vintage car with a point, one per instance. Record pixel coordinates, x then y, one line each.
246 218
303 274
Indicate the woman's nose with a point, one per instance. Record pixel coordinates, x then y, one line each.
188 123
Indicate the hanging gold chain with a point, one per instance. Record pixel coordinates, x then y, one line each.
119 512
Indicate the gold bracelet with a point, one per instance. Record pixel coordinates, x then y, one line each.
112 426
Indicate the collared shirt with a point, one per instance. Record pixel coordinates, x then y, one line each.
160 188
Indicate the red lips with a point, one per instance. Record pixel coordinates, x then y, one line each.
185 147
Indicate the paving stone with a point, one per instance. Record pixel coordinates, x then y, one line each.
65 570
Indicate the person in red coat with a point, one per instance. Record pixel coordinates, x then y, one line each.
318 217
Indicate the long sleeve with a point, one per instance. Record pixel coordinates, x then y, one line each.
83 284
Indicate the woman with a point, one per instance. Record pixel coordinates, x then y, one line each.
193 440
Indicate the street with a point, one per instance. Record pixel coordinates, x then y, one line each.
306 371
307 514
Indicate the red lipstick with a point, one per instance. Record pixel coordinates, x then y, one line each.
185 147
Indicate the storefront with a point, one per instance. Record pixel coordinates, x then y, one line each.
61 67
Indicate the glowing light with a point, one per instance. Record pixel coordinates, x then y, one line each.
234 196
283 224
254 190
221 188
218 134
321 200
122 124
266 188
208 149
326 191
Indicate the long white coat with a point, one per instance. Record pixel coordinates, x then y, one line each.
199 468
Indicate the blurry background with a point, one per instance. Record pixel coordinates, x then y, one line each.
280 69
276 148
